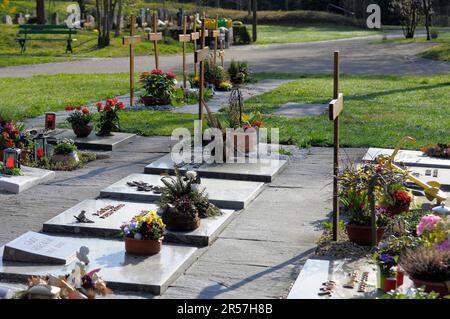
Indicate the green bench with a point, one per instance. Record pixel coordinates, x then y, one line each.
27 30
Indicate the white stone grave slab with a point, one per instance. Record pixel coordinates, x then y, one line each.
93 141
121 271
31 177
427 174
410 158
65 222
39 248
261 171
227 194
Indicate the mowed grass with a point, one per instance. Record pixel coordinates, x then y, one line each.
379 110
268 34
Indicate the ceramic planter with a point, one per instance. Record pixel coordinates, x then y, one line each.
142 247
178 222
362 235
57 158
82 132
443 288
151 101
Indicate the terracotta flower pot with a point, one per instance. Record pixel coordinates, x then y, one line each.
440 287
362 235
142 247
396 210
151 101
82 132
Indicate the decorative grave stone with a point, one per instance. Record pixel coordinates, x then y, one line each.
7 20
34 247
409 158
226 194
66 223
31 177
119 270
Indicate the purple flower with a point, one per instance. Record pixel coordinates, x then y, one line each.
386 258
126 230
133 225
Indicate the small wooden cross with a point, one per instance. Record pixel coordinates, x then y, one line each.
222 55
183 38
215 34
155 36
200 56
194 37
132 40
335 109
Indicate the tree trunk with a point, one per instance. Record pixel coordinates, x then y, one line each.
118 18
427 6
40 11
255 20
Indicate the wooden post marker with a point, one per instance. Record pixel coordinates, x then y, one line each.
335 109
132 40
200 56
183 38
215 34
194 37
222 55
155 36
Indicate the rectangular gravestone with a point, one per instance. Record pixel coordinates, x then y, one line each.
121 271
31 177
65 222
34 247
429 174
225 194
410 158
93 141
261 171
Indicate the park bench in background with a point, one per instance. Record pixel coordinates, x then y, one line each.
27 30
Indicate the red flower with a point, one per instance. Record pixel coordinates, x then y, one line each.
114 101
69 108
78 108
157 71
258 123
121 105
9 142
99 104
107 107
171 75
85 111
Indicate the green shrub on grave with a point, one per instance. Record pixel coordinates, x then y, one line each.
241 35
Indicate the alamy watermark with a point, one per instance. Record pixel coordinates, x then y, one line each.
374 19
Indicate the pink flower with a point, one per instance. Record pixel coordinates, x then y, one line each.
171 75
428 222
157 71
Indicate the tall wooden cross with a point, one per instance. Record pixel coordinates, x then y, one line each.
194 37
200 56
222 55
215 34
335 109
155 36
132 40
183 38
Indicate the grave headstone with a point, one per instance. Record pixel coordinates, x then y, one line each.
7 20
54 19
34 247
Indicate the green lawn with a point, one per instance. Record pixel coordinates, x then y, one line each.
379 110
268 34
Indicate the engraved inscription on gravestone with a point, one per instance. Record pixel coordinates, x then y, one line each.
34 247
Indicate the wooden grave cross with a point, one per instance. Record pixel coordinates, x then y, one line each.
194 37
184 38
222 55
132 40
335 109
200 56
155 36
215 34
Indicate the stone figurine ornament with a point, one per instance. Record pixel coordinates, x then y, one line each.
81 218
195 180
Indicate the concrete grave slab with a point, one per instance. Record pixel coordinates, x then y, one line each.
410 158
39 248
31 177
65 222
93 141
261 171
226 194
300 110
121 271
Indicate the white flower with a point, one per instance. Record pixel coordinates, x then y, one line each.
192 175
138 236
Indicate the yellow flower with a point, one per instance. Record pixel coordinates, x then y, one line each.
245 117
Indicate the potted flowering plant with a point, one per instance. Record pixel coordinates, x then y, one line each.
64 151
250 124
355 186
396 199
109 119
80 119
183 202
440 150
144 234
387 264
14 136
159 87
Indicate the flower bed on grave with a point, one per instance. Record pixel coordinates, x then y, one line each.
413 242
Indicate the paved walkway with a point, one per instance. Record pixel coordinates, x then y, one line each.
359 56
257 256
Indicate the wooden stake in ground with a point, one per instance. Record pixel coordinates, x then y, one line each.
222 55
132 40
215 34
200 56
194 37
155 36
335 108
183 38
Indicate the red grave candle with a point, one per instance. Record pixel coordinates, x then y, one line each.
390 284
40 152
400 276
10 162
50 121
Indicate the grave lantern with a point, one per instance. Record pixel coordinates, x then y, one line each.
11 158
40 146
50 121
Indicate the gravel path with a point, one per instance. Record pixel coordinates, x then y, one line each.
359 56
